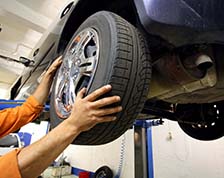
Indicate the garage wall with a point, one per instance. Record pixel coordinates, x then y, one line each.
177 155
22 25
118 155
23 22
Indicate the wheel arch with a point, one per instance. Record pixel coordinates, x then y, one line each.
85 8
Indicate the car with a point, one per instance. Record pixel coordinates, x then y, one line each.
163 58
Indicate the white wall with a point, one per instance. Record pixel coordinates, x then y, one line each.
90 158
177 155
23 24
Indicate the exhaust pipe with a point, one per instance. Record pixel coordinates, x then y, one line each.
203 62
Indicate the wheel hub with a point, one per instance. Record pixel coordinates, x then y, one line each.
77 70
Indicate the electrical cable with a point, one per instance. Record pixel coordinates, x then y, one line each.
122 151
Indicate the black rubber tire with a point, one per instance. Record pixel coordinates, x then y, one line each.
103 172
124 63
204 134
201 113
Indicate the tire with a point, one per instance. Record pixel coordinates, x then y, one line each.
202 121
123 62
103 172
204 134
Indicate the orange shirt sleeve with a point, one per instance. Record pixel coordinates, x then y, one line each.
9 165
12 119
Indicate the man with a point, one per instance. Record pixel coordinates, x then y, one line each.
31 161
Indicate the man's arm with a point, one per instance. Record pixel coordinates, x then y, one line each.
86 113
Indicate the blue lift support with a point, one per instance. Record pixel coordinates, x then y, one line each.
4 104
143 147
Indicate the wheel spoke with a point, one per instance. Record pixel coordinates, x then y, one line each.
87 67
73 80
61 82
60 90
66 93
67 62
86 37
90 68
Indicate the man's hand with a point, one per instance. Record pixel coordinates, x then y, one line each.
53 68
43 89
87 111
